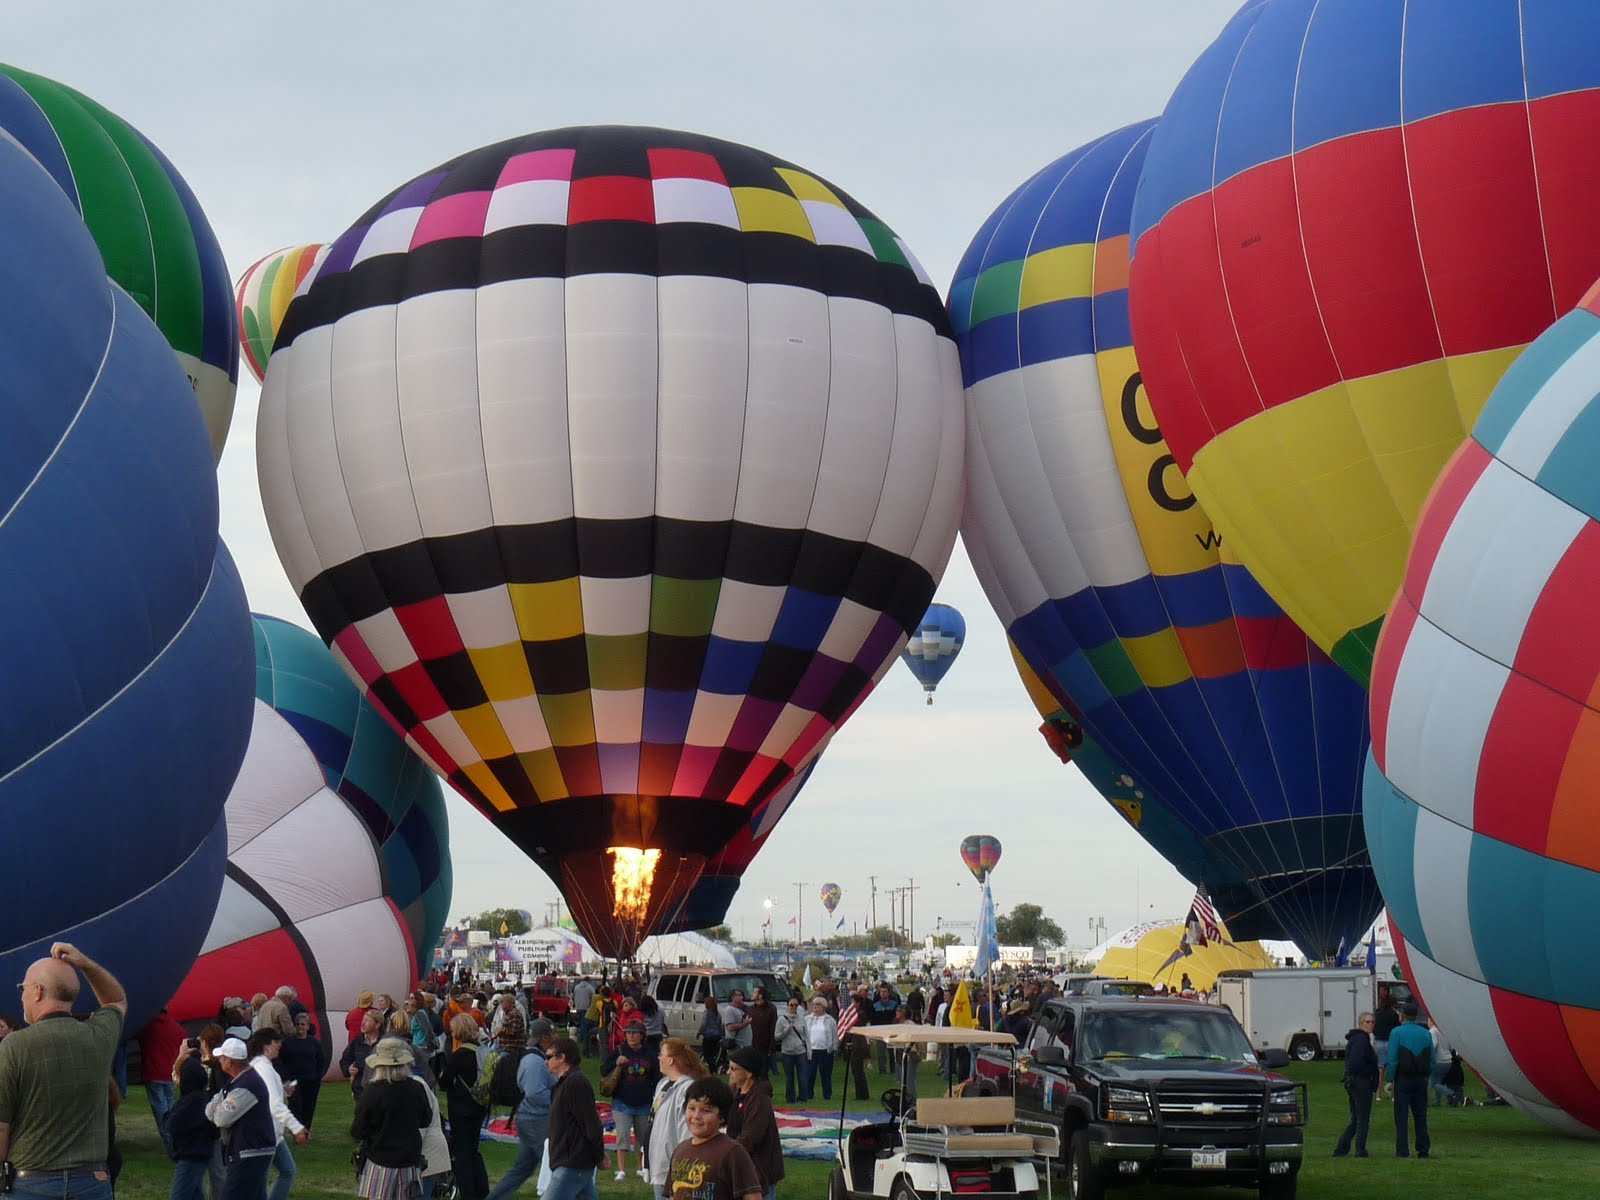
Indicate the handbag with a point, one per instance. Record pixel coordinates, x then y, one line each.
609 1085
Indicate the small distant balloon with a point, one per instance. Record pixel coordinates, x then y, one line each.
263 295
831 894
934 645
981 853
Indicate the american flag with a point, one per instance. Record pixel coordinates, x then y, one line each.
848 1016
1203 918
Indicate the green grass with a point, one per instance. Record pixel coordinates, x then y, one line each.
1488 1152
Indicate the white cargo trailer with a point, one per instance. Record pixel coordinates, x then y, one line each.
1306 1011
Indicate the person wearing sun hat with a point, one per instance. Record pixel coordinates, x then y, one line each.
388 1124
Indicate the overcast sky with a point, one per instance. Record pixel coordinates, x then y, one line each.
289 119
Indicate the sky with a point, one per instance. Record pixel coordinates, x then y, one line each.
288 120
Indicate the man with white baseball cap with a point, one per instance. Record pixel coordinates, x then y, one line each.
243 1111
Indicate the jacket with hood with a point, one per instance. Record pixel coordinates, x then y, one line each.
754 1126
192 1135
1360 1061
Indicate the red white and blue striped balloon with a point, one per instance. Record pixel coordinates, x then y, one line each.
1483 791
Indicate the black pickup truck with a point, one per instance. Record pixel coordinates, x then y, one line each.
1155 1091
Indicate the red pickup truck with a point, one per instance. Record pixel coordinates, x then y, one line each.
550 996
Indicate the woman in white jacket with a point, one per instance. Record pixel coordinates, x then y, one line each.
680 1066
822 1043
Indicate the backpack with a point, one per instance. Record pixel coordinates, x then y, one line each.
482 1089
503 1087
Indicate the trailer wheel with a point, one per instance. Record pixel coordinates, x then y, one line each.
1305 1048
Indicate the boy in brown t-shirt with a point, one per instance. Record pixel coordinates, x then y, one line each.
710 1165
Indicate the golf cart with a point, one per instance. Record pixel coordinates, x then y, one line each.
937 1147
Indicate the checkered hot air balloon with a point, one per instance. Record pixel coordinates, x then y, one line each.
1351 219
616 464
1188 698
934 644
1482 795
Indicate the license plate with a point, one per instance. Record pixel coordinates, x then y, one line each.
1209 1160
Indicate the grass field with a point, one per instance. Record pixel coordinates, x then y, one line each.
1483 1152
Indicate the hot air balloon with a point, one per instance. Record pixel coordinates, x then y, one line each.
981 853
616 464
1351 219
1197 702
1481 804
338 859
832 893
934 645
155 240
264 292
124 633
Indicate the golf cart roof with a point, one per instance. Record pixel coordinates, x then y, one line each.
944 1035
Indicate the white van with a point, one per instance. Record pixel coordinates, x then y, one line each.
681 992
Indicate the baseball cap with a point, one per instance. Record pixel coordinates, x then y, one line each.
231 1048
540 1027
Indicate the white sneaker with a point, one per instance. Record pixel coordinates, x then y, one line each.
621 1175
644 1175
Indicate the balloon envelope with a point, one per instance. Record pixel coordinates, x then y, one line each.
124 634
832 893
934 644
1351 219
155 240
1481 804
1205 715
616 464
263 294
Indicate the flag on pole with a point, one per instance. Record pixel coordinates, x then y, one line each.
840 925
961 1008
791 920
1372 955
806 978
988 935
1341 956
848 1015
1201 910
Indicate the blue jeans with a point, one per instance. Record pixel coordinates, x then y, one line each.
530 1150
283 1159
818 1066
70 1185
1411 1097
246 1178
794 1072
159 1094
189 1179
1355 1133
571 1183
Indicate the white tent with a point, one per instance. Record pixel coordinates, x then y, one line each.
685 949
549 944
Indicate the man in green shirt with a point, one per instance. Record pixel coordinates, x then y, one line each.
53 1080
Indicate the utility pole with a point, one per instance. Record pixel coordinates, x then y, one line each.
873 880
799 912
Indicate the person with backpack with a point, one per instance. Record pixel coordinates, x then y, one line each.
1410 1064
462 1079
533 1081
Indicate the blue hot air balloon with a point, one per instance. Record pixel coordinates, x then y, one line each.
1200 708
934 645
124 633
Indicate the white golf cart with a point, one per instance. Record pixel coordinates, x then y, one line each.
937 1147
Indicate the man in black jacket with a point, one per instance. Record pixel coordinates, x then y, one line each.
1361 1083
577 1144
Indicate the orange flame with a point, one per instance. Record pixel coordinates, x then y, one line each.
633 871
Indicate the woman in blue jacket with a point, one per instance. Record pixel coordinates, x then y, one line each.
1361 1083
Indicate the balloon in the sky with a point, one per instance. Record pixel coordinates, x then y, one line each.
934 644
981 854
154 238
124 634
365 761
617 464
306 900
1351 219
264 292
1482 804
1158 650
832 893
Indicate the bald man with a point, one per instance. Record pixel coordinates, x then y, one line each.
53 1076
